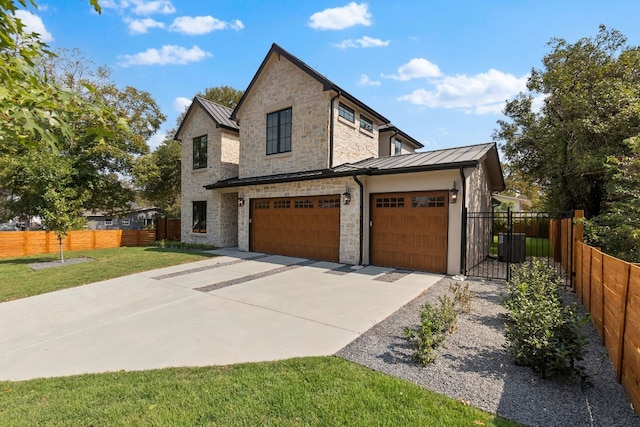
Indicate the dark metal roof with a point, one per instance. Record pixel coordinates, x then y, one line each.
218 113
392 128
326 83
450 158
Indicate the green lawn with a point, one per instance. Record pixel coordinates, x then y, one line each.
18 280
535 246
317 391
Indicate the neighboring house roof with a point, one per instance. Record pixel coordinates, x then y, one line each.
450 158
392 128
218 113
134 208
522 201
326 83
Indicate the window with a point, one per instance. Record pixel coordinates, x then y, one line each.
199 217
261 204
108 222
397 147
126 221
427 202
149 221
200 152
281 204
346 113
329 203
279 132
366 124
303 203
390 202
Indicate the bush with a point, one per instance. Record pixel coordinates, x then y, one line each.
182 245
436 322
541 331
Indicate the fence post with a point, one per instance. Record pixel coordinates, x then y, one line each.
625 292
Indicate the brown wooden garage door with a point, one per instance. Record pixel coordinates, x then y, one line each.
307 227
409 230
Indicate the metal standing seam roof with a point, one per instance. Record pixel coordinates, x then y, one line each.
218 113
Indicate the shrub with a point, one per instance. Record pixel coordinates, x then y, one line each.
541 331
182 245
436 322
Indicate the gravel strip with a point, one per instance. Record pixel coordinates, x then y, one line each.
473 366
57 263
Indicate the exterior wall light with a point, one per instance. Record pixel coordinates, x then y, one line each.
347 197
454 193
240 202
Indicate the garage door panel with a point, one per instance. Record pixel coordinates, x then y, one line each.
410 230
297 226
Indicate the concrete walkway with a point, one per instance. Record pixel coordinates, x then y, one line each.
238 307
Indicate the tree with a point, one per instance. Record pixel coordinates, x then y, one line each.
157 175
31 108
590 93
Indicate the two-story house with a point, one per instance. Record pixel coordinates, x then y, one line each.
303 168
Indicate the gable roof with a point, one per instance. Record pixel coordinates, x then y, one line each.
391 128
218 113
326 83
445 159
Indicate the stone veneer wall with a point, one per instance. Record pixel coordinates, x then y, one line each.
349 214
282 85
350 142
222 149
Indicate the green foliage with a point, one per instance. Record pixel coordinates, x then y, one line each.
437 321
541 331
223 95
158 177
617 230
590 96
183 245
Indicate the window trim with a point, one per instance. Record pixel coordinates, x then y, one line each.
108 222
199 164
368 122
342 108
397 147
280 140
199 227
126 221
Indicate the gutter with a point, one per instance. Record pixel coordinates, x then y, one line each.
463 225
355 178
331 127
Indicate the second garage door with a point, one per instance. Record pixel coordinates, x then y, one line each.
307 227
409 230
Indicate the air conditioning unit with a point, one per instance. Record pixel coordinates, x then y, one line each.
514 251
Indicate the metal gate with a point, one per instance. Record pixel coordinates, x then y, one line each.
498 240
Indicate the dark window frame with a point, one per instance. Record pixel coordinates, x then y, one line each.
397 147
200 152
346 113
368 124
199 218
279 131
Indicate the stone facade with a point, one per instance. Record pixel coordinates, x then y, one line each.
351 143
349 214
222 163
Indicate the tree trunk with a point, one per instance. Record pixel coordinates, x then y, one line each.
61 252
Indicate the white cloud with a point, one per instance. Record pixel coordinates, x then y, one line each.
484 93
197 25
141 26
156 139
362 42
33 24
415 69
339 18
167 55
366 81
141 7
180 104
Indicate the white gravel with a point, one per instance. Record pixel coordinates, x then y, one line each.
473 366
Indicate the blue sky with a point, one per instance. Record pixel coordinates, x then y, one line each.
440 70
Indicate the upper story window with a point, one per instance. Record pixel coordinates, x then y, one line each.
279 131
200 152
366 124
397 148
346 113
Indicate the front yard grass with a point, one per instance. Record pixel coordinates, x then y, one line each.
316 391
18 280
534 246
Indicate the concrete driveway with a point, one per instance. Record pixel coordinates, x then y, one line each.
239 307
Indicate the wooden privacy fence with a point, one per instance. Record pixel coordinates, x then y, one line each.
609 289
19 243
168 228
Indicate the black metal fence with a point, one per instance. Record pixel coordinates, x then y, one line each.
498 240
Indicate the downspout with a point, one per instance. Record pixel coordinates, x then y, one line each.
355 178
463 226
331 126
391 140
